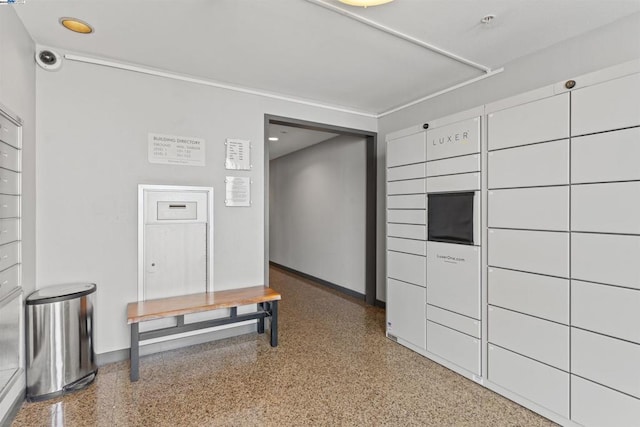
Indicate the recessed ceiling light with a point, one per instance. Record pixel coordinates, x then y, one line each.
76 25
273 138
487 19
365 3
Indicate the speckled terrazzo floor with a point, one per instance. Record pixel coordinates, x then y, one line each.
333 366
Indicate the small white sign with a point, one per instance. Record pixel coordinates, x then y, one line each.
238 191
238 154
176 150
456 139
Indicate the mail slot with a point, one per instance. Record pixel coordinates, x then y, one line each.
177 210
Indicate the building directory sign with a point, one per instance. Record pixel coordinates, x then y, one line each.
176 150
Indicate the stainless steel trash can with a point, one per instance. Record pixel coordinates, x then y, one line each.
60 334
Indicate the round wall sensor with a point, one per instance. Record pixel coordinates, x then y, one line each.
48 59
487 19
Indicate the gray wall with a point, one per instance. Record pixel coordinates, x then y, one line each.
317 211
17 93
93 123
613 44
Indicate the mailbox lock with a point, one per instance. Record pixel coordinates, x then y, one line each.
570 84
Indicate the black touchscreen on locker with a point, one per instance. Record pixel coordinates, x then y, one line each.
450 217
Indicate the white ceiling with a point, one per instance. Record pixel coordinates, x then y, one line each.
292 139
299 48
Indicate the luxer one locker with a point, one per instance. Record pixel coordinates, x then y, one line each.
175 241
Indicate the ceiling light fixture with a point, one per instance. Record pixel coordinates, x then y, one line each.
365 3
76 25
273 138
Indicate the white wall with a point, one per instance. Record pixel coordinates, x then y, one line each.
17 93
317 211
613 44
92 154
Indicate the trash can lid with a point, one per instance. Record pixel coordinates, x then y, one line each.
60 293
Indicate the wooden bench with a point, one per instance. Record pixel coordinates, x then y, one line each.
266 298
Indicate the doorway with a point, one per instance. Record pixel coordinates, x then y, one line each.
370 138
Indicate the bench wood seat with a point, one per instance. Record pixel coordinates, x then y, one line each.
141 311
195 303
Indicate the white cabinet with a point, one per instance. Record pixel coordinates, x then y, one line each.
9 182
414 201
407 216
406 239
458 348
464 324
406 312
605 157
175 260
543 252
543 208
408 231
10 157
407 267
410 186
455 165
535 381
608 310
462 182
538 121
530 166
10 133
453 278
12 382
595 405
606 208
534 294
606 258
406 172
607 361
406 150
544 341
417 247
605 106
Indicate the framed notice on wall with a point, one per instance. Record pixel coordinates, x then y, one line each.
238 191
176 150
238 154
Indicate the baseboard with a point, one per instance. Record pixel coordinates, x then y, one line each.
172 344
15 406
323 282
381 304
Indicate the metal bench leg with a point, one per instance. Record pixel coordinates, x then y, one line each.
261 320
274 323
134 355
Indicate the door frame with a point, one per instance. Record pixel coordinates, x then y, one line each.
370 196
